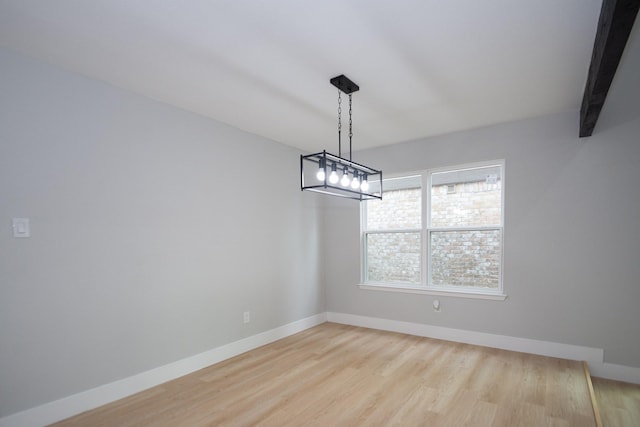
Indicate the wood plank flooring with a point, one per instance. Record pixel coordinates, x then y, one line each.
337 375
619 402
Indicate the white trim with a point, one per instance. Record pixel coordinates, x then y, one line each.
429 291
611 371
524 345
466 166
89 399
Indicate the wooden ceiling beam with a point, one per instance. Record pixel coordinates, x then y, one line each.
614 26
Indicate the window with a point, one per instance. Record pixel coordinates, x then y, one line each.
437 231
393 233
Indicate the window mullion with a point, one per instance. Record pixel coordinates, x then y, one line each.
391 231
478 228
426 218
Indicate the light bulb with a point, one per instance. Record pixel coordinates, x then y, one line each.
333 176
365 184
321 174
355 182
345 181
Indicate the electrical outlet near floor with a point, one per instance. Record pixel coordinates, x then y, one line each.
247 317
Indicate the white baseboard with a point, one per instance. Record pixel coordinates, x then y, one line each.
593 356
524 345
89 399
611 371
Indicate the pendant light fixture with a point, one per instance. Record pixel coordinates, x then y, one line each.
335 175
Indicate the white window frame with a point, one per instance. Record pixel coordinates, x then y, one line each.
425 232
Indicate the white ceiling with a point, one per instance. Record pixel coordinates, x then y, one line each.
424 67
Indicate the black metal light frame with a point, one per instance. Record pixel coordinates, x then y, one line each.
327 162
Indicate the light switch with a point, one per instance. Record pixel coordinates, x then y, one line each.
21 227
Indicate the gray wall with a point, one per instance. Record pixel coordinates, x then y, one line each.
572 228
153 229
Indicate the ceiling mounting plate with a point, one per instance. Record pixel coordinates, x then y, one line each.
343 83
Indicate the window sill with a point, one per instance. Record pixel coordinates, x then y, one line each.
496 296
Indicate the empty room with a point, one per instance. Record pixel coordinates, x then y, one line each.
336 213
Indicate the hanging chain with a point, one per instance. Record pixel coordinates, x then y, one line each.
350 119
350 126
339 123
339 111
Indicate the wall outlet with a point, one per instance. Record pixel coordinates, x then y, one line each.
436 305
21 227
247 317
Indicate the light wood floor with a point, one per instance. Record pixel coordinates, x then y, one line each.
337 375
619 402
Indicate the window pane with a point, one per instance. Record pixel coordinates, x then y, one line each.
393 257
400 207
466 258
467 197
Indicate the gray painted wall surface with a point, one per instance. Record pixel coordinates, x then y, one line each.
148 241
572 228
